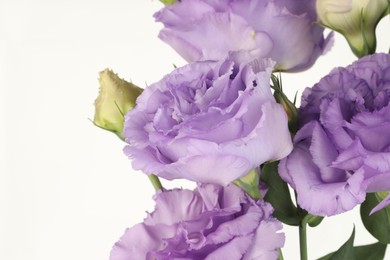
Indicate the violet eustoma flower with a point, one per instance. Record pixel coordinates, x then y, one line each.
283 30
342 150
210 222
209 122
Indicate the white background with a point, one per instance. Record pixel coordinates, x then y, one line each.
66 190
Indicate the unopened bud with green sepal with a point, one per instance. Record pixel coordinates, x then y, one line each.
289 106
356 20
116 97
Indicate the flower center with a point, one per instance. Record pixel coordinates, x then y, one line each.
194 238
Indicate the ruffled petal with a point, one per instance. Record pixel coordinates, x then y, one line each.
315 195
264 246
175 206
137 241
271 133
323 154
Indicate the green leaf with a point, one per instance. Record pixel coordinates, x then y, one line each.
367 252
378 224
278 195
371 252
346 251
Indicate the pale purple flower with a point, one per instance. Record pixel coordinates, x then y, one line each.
342 150
283 30
209 122
211 222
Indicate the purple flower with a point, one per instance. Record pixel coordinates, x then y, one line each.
342 150
283 30
209 122
210 222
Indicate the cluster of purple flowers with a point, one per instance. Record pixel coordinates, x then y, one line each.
216 119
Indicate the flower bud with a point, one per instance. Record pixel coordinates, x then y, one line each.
291 110
356 20
116 97
289 107
168 2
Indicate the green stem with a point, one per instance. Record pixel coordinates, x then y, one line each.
155 182
303 239
280 256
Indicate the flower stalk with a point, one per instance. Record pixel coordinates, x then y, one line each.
280 256
303 238
155 182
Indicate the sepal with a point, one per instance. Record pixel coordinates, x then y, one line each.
289 106
250 184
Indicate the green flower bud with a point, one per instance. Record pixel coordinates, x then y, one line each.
289 107
356 20
291 110
168 2
116 97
